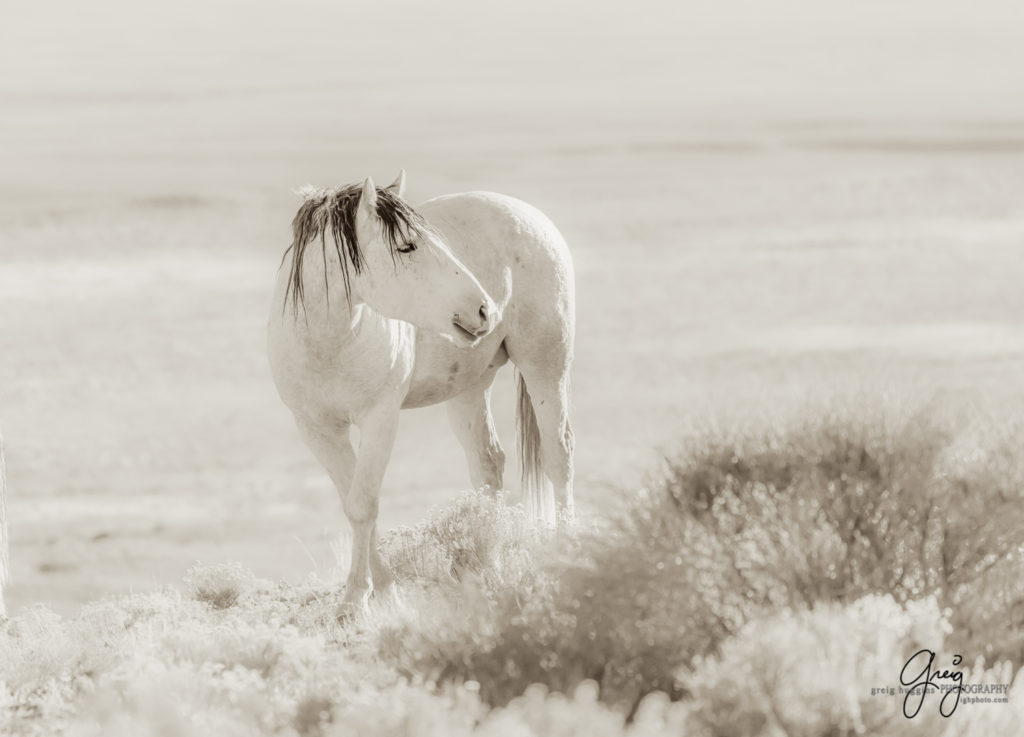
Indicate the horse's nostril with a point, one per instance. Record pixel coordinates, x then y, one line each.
483 313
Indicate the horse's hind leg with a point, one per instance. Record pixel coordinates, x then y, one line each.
470 416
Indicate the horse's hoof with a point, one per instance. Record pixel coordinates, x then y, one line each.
351 609
348 612
344 615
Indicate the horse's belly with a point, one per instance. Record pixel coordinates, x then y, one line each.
443 370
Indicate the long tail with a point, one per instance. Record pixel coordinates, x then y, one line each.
538 494
4 563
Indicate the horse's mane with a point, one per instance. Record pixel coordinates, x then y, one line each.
336 209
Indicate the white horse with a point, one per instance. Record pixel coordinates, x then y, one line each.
404 308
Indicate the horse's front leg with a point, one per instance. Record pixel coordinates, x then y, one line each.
377 437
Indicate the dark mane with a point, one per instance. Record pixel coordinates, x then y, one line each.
336 209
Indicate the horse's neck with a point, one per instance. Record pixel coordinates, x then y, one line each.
343 337
343 329
332 321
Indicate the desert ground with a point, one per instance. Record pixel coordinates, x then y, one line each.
735 251
144 432
769 207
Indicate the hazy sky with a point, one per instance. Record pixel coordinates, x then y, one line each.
114 96
810 57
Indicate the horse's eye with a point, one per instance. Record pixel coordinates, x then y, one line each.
406 248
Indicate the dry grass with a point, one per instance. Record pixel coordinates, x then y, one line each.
765 583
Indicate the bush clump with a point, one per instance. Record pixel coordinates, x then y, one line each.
736 530
220 585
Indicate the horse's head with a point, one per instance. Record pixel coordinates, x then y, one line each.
410 273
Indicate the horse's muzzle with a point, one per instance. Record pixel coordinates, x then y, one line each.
478 325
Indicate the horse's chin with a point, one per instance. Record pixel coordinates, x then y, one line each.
460 337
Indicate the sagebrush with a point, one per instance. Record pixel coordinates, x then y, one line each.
762 582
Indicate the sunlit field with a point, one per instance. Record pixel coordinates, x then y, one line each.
799 268
144 432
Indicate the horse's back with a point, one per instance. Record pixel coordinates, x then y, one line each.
501 223
493 233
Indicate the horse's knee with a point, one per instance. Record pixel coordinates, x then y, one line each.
361 508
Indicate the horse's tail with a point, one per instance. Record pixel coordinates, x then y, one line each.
4 563
538 494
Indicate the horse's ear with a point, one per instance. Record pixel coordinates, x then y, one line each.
368 200
398 186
